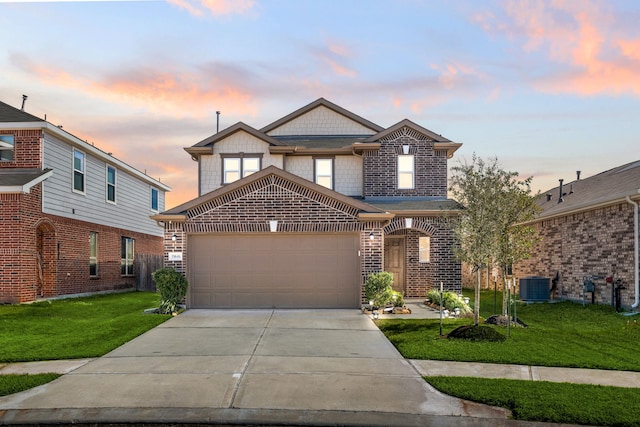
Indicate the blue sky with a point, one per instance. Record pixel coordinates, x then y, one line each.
549 86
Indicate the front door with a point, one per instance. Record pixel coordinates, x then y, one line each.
394 260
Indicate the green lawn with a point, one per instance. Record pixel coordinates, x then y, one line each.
560 334
74 328
549 402
10 384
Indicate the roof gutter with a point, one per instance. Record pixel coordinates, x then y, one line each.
635 249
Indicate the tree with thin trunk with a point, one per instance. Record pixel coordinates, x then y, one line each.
495 203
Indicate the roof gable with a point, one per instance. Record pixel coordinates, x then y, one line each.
268 176
407 126
354 123
238 127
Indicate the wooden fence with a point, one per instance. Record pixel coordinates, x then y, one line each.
145 264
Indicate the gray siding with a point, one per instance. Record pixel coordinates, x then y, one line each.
133 196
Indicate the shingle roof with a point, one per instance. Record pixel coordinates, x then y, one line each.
14 180
10 114
322 141
605 187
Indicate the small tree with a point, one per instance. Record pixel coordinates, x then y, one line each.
496 203
378 288
172 286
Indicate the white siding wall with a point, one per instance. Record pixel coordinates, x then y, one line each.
349 175
133 196
321 121
240 142
348 172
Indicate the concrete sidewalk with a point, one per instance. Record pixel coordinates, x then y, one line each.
243 367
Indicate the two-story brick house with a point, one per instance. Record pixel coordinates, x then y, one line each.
73 217
298 213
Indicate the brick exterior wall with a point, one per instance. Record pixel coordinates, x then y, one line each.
596 242
27 148
64 255
443 267
380 167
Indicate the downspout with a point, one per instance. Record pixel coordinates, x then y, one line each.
635 247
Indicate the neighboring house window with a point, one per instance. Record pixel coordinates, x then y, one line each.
406 171
324 172
236 166
93 254
154 199
424 249
6 148
111 184
126 262
78 171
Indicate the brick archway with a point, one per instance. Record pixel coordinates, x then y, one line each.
46 255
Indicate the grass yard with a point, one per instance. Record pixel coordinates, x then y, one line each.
549 402
74 328
561 334
10 384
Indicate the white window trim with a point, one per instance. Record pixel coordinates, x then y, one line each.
318 175
421 253
12 149
152 189
413 171
125 259
241 157
96 257
115 185
73 171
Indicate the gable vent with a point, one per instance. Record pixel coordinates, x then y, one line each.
406 132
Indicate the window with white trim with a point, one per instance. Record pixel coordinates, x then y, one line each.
6 148
93 254
424 249
78 171
154 199
240 165
406 171
127 255
324 172
111 184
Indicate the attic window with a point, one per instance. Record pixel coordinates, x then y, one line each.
6 148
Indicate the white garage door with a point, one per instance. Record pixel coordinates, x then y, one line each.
274 270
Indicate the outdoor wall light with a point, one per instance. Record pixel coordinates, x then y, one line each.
174 237
408 222
371 236
273 226
405 149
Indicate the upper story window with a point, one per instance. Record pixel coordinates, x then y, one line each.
236 166
424 249
154 199
6 148
406 175
111 184
93 254
324 172
78 171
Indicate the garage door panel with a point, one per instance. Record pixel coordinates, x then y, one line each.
274 270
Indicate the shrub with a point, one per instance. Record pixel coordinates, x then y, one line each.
377 288
397 298
476 333
450 300
172 286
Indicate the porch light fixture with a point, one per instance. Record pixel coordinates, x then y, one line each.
405 149
273 226
174 237
408 222
371 236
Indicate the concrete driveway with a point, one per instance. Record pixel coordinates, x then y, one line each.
301 367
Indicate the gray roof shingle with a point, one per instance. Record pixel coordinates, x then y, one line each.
9 114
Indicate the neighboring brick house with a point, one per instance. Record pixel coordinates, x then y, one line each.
299 213
73 217
589 227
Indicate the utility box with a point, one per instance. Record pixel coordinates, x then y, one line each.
535 288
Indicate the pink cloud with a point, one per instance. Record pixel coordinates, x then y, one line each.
582 37
214 7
